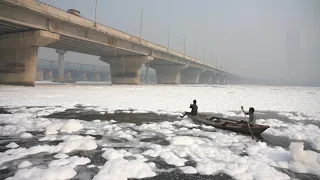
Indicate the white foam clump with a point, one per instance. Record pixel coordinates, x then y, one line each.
122 169
61 156
11 130
71 143
52 173
171 158
52 129
25 164
71 126
111 153
68 127
188 170
183 141
12 145
186 123
299 131
26 135
79 143
304 161
72 161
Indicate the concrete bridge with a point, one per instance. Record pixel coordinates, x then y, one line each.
26 25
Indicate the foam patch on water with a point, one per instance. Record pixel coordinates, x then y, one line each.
299 131
71 126
304 161
123 169
71 143
72 161
12 145
26 135
52 173
68 127
293 116
25 164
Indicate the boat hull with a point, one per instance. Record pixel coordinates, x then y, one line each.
228 124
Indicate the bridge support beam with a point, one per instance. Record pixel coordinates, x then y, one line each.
217 78
190 75
39 75
47 75
126 69
18 56
67 76
82 77
94 77
223 80
104 77
61 64
205 77
167 73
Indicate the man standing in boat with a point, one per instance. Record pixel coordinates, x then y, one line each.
194 109
252 119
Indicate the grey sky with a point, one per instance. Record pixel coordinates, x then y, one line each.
249 37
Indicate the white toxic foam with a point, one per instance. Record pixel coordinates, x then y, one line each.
124 169
12 145
25 164
304 161
71 126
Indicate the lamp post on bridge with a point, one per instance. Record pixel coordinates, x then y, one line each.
95 14
204 55
196 49
168 36
141 23
184 46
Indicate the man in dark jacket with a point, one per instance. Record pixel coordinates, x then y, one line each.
194 109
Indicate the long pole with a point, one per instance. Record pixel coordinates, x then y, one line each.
204 55
216 61
141 23
211 58
95 14
196 50
184 46
168 36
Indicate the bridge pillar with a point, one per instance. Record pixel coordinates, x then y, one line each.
167 73
215 79
126 69
94 77
190 75
61 64
39 75
47 75
18 56
205 77
223 80
147 72
67 76
104 77
82 76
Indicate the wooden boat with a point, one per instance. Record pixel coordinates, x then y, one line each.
228 124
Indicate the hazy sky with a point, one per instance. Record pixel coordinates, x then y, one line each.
269 39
